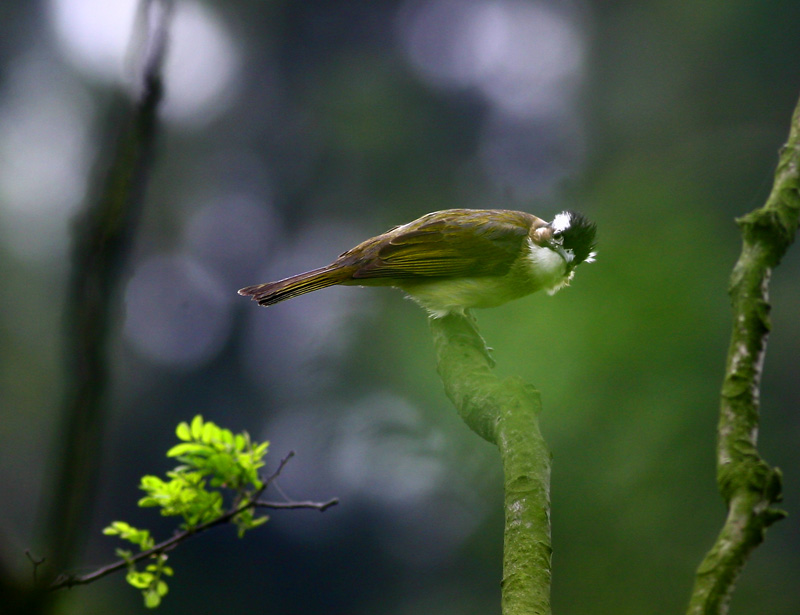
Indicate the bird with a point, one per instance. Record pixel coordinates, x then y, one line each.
453 260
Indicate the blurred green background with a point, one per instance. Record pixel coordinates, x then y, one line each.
293 130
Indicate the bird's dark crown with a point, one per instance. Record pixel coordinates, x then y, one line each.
579 237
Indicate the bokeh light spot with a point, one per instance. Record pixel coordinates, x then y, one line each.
44 157
202 60
525 58
177 314
231 235
295 348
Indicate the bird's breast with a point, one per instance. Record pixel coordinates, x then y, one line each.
446 295
538 269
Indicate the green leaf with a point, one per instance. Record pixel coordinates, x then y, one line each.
222 464
117 527
184 448
151 598
127 532
148 501
140 580
210 432
124 554
151 483
183 431
226 436
197 427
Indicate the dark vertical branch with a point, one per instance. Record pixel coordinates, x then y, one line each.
102 242
505 413
747 483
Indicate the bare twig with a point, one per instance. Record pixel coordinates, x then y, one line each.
320 506
274 476
747 483
36 561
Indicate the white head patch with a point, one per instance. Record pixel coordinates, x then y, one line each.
561 222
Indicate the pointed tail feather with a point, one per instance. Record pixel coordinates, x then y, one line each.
274 292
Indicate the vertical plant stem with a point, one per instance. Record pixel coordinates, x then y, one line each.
746 482
526 468
103 238
505 412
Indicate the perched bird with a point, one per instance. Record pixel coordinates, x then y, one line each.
452 260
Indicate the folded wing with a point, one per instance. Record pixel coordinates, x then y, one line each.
445 244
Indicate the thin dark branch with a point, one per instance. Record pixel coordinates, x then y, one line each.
36 561
320 506
162 547
274 476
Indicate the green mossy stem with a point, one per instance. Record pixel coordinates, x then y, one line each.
505 412
747 483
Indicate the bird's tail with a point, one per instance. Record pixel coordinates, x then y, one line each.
300 284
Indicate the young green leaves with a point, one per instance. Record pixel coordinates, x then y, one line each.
217 482
232 460
150 579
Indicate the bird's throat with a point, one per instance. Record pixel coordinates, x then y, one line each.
546 268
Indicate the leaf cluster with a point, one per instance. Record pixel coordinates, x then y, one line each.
150 580
217 481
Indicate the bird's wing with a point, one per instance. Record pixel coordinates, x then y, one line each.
446 244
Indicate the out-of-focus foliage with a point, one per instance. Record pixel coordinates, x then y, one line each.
293 130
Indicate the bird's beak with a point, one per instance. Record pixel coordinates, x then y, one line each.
543 236
561 251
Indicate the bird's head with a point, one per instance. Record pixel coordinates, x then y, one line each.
571 235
